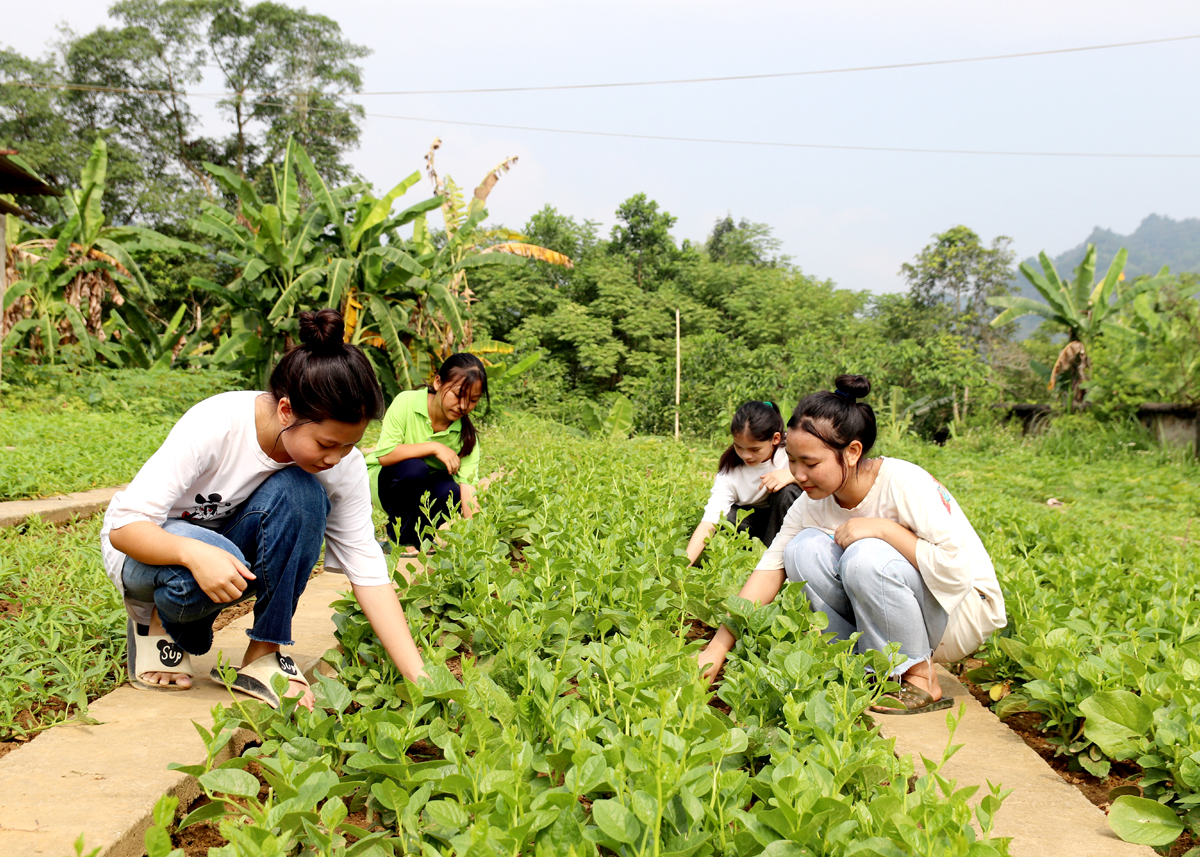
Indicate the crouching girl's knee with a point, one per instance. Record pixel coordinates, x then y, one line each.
863 562
810 553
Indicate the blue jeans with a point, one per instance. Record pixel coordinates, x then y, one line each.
277 533
868 588
401 487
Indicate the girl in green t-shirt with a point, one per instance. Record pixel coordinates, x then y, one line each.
428 445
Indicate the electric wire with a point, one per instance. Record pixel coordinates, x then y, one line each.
678 138
668 82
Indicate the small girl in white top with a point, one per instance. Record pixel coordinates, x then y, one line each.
237 503
752 474
881 548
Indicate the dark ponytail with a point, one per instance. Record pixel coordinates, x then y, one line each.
838 418
760 420
462 371
325 379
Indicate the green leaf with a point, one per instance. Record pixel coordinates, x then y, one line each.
230 781
447 813
620 418
331 693
1116 720
449 305
1144 821
382 209
16 290
616 822
293 292
215 809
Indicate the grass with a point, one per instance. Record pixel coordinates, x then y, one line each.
62 625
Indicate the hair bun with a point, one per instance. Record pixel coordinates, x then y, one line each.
322 332
853 386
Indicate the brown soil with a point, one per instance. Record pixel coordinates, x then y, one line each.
9 609
7 747
197 839
231 614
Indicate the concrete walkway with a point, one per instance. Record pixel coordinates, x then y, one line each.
103 780
57 510
1044 815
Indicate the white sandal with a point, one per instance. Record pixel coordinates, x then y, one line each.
154 653
254 679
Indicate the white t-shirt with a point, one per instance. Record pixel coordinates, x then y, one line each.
950 557
211 463
742 486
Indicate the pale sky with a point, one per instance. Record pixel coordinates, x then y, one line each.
853 217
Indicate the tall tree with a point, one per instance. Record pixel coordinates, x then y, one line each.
159 51
289 72
643 234
959 272
744 243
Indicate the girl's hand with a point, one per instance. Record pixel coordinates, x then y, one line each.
220 575
856 529
711 661
448 457
777 479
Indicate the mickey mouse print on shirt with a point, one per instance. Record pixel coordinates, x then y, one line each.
206 508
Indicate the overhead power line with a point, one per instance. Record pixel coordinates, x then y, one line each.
783 145
675 138
85 87
784 73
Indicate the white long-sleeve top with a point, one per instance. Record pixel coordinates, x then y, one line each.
210 464
950 557
741 486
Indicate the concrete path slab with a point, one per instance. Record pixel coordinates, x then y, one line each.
57 510
103 780
1043 815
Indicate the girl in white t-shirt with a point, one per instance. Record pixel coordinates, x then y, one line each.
237 503
881 548
752 474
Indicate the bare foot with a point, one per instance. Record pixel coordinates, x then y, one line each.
257 649
924 675
181 680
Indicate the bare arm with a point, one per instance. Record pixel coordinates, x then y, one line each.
699 539
470 505
762 587
382 609
405 451
219 573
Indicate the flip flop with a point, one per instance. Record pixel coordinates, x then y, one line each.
154 653
254 679
912 700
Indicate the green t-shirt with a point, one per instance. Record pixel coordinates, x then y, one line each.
407 421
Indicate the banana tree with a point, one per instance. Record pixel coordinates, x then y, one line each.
69 271
1085 309
462 220
276 250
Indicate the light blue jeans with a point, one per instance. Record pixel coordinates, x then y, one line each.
869 588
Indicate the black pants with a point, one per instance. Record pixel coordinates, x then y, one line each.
763 522
403 485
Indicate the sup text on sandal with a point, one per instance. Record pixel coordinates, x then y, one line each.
254 679
911 699
154 653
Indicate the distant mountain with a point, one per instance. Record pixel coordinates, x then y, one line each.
1156 242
